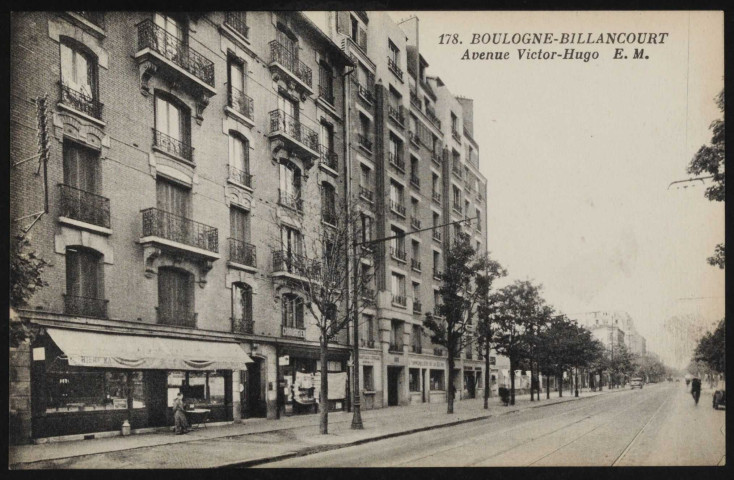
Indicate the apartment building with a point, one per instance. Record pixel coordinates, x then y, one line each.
402 137
190 156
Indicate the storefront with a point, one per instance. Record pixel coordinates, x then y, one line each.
299 380
85 382
426 379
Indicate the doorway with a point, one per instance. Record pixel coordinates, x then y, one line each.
156 382
393 385
470 384
254 398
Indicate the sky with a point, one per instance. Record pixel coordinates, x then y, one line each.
579 157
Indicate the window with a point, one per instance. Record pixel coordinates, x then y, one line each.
176 297
172 127
84 283
81 167
354 31
199 388
436 220
290 186
396 194
436 262
436 299
394 53
417 338
366 228
365 176
326 82
173 198
242 306
79 78
416 250
479 219
395 151
291 240
327 137
239 159
397 285
414 207
457 197
71 389
369 378
292 311
466 208
171 25
454 124
413 169
328 203
435 185
237 86
396 335
414 383
397 244
437 380
239 225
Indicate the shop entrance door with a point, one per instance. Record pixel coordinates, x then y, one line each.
156 382
469 384
393 380
254 402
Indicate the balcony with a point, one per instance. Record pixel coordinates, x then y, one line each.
243 326
436 196
288 200
242 253
85 306
241 103
81 102
414 100
286 61
416 348
395 348
326 93
415 264
366 93
415 181
364 142
414 138
166 229
437 235
417 306
329 159
177 61
173 146
437 274
236 21
397 208
396 161
368 296
84 206
436 158
456 207
437 311
456 135
433 118
366 194
328 215
396 114
178 317
296 136
415 223
398 254
239 176
288 262
393 66
457 171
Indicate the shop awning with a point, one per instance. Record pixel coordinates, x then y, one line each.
92 349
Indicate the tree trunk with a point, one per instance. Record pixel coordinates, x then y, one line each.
487 385
547 387
451 389
324 399
512 382
560 384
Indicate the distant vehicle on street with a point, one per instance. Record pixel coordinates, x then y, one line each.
720 395
636 382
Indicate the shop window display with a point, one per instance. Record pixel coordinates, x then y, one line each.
415 380
437 380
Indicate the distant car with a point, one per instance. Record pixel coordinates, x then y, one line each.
636 383
720 395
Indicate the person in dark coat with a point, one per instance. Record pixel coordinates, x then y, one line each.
179 415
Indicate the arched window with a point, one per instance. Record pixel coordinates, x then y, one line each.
79 86
84 283
172 126
242 308
176 297
292 311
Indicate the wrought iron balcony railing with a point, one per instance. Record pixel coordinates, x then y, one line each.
366 193
241 103
414 100
281 122
176 317
433 118
414 137
284 261
415 264
417 307
85 207
327 93
364 142
397 208
397 254
81 102
176 51
399 300
288 200
396 161
436 158
366 93
243 325
329 158
436 197
396 113
437 235
159 223
289 59
395 348
415 180
237 21
242 253
456 207
96 18
168 144
328 215
393 66
85 306
415 223
240 176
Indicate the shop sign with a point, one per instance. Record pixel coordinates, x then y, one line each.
428 363
294 332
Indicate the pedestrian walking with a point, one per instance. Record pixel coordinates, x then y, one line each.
696 388
179 415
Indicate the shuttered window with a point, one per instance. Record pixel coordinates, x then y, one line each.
239 222
81 167
175 295
292 310
241 302
84 273
173 198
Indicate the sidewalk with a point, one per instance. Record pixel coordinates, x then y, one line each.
257 441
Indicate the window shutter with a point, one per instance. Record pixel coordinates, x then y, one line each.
72 272
343 22
299 312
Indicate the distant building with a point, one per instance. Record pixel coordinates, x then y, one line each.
601 324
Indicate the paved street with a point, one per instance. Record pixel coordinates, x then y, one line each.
659 425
